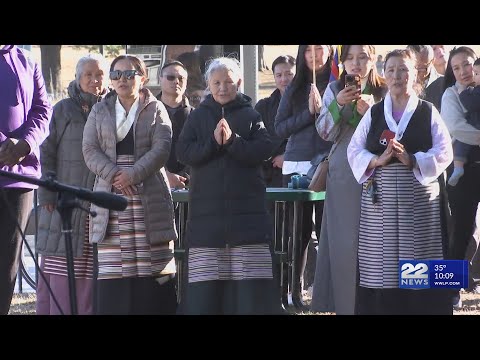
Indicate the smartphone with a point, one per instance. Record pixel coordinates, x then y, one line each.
353 80
386 136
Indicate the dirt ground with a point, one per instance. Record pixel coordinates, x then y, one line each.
24 304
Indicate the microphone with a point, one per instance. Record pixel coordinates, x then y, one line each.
103 199
100 198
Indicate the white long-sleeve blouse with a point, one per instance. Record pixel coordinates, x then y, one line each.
430 164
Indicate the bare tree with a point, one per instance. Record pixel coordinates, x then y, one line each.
262 66
51 68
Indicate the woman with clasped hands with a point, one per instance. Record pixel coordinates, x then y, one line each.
224 141
126 143
398 151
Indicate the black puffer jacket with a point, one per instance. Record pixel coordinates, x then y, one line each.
227 192
178 116
268 109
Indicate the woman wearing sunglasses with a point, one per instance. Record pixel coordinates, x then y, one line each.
126 143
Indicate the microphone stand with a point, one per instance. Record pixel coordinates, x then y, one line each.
67 201
65 204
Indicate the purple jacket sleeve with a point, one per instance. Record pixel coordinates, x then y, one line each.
36 128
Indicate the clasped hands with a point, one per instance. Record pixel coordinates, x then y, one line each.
394 149
314 100
123 183
222 132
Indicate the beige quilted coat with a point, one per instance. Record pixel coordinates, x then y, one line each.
152 136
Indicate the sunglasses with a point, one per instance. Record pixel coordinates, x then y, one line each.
128 74
173 77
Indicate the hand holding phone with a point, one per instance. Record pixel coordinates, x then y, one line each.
353 80
386 136
348 94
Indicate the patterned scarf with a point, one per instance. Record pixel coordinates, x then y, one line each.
83 100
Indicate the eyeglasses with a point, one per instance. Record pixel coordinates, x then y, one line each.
173 77
128 74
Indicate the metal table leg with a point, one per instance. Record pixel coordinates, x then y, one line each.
281 255
180 249
297 254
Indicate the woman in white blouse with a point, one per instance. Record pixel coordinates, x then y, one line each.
398 151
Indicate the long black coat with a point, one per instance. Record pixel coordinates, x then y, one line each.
227 192
268 109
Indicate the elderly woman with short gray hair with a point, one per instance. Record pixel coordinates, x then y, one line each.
225 143
62 153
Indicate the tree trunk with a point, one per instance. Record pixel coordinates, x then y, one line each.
262 66
51 68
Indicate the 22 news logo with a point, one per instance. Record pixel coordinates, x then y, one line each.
413 275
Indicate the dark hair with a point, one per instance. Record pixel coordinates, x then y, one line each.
418 49
401 53
172 63
476 62
374 80
304 76
137 63
449 78
404 54
205 54
283 59
191 60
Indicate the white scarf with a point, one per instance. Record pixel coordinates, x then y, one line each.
124 121
399 129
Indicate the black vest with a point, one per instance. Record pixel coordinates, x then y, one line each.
417 136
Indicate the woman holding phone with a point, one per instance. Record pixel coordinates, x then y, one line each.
401 197
344 103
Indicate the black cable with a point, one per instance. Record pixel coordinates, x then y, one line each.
7 203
